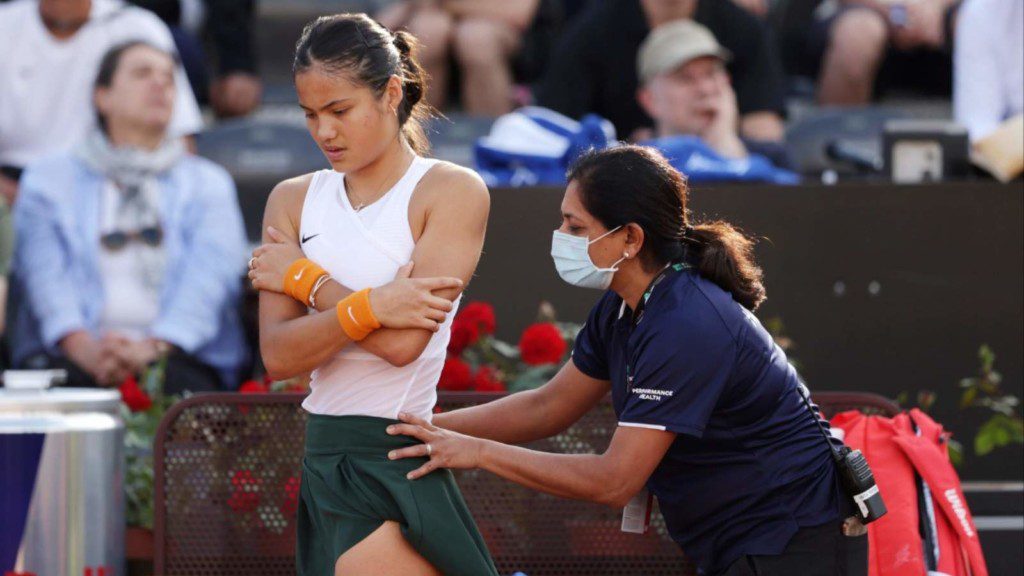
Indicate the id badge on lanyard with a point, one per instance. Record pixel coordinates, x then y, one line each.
636 516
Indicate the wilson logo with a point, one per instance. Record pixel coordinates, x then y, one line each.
960 511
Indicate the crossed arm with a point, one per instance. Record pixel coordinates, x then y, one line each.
451 212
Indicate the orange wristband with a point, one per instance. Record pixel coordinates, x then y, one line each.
356 316
300 279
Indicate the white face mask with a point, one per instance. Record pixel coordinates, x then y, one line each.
572 260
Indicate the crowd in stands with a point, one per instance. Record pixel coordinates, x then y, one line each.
125 246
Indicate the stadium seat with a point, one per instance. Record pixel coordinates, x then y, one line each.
857 131
258 154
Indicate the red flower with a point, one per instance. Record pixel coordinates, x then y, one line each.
486 380
245 495
542 344
455 375
292 487
133 396
464 334
253 387
480 314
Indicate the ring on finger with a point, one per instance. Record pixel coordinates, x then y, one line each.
252 263
430 449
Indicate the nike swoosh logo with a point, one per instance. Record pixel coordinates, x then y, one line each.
299 275
308 238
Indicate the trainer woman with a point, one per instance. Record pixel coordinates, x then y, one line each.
338 241
710 418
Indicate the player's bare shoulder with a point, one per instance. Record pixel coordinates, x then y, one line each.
450 183
285 202
290 191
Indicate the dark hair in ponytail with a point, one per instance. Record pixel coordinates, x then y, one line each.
365 51
636 184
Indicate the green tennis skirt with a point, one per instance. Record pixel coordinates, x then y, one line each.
350 488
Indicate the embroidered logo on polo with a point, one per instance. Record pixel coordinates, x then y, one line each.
308 238
652 394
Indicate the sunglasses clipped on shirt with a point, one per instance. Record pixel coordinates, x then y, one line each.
151 236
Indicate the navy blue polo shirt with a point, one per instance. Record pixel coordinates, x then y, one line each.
749 466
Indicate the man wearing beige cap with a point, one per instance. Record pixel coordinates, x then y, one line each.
685 88
593 70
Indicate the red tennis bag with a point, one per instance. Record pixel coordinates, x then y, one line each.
928 527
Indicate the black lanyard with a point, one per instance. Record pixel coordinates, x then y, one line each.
638 315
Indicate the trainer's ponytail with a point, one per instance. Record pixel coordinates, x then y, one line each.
636 184
725 256
360 48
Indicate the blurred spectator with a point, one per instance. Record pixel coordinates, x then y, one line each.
51 49
685 88
758 8
6 252
237 89
856 44
989 72
593 69
483 36
128 247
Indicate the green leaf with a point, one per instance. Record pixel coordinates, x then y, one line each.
505 349
956 452
983 443
901 398
925 400
534 377
987 357
968 397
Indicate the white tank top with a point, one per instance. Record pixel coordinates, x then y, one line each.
364 250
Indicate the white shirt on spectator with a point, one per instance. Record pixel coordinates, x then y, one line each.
988 71
133 274
46 84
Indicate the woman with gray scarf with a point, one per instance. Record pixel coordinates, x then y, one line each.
128 248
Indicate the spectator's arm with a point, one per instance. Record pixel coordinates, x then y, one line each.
978 101
757 79
229 23
214 254
518 14
43 260
763 126
758 8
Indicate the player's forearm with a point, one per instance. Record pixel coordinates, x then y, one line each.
398 347
298 346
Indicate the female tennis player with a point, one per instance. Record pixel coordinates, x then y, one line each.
711 417
379 248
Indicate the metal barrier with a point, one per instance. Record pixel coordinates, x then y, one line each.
227 487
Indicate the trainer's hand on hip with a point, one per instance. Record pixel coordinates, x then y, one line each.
444 448
270 261
410 302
